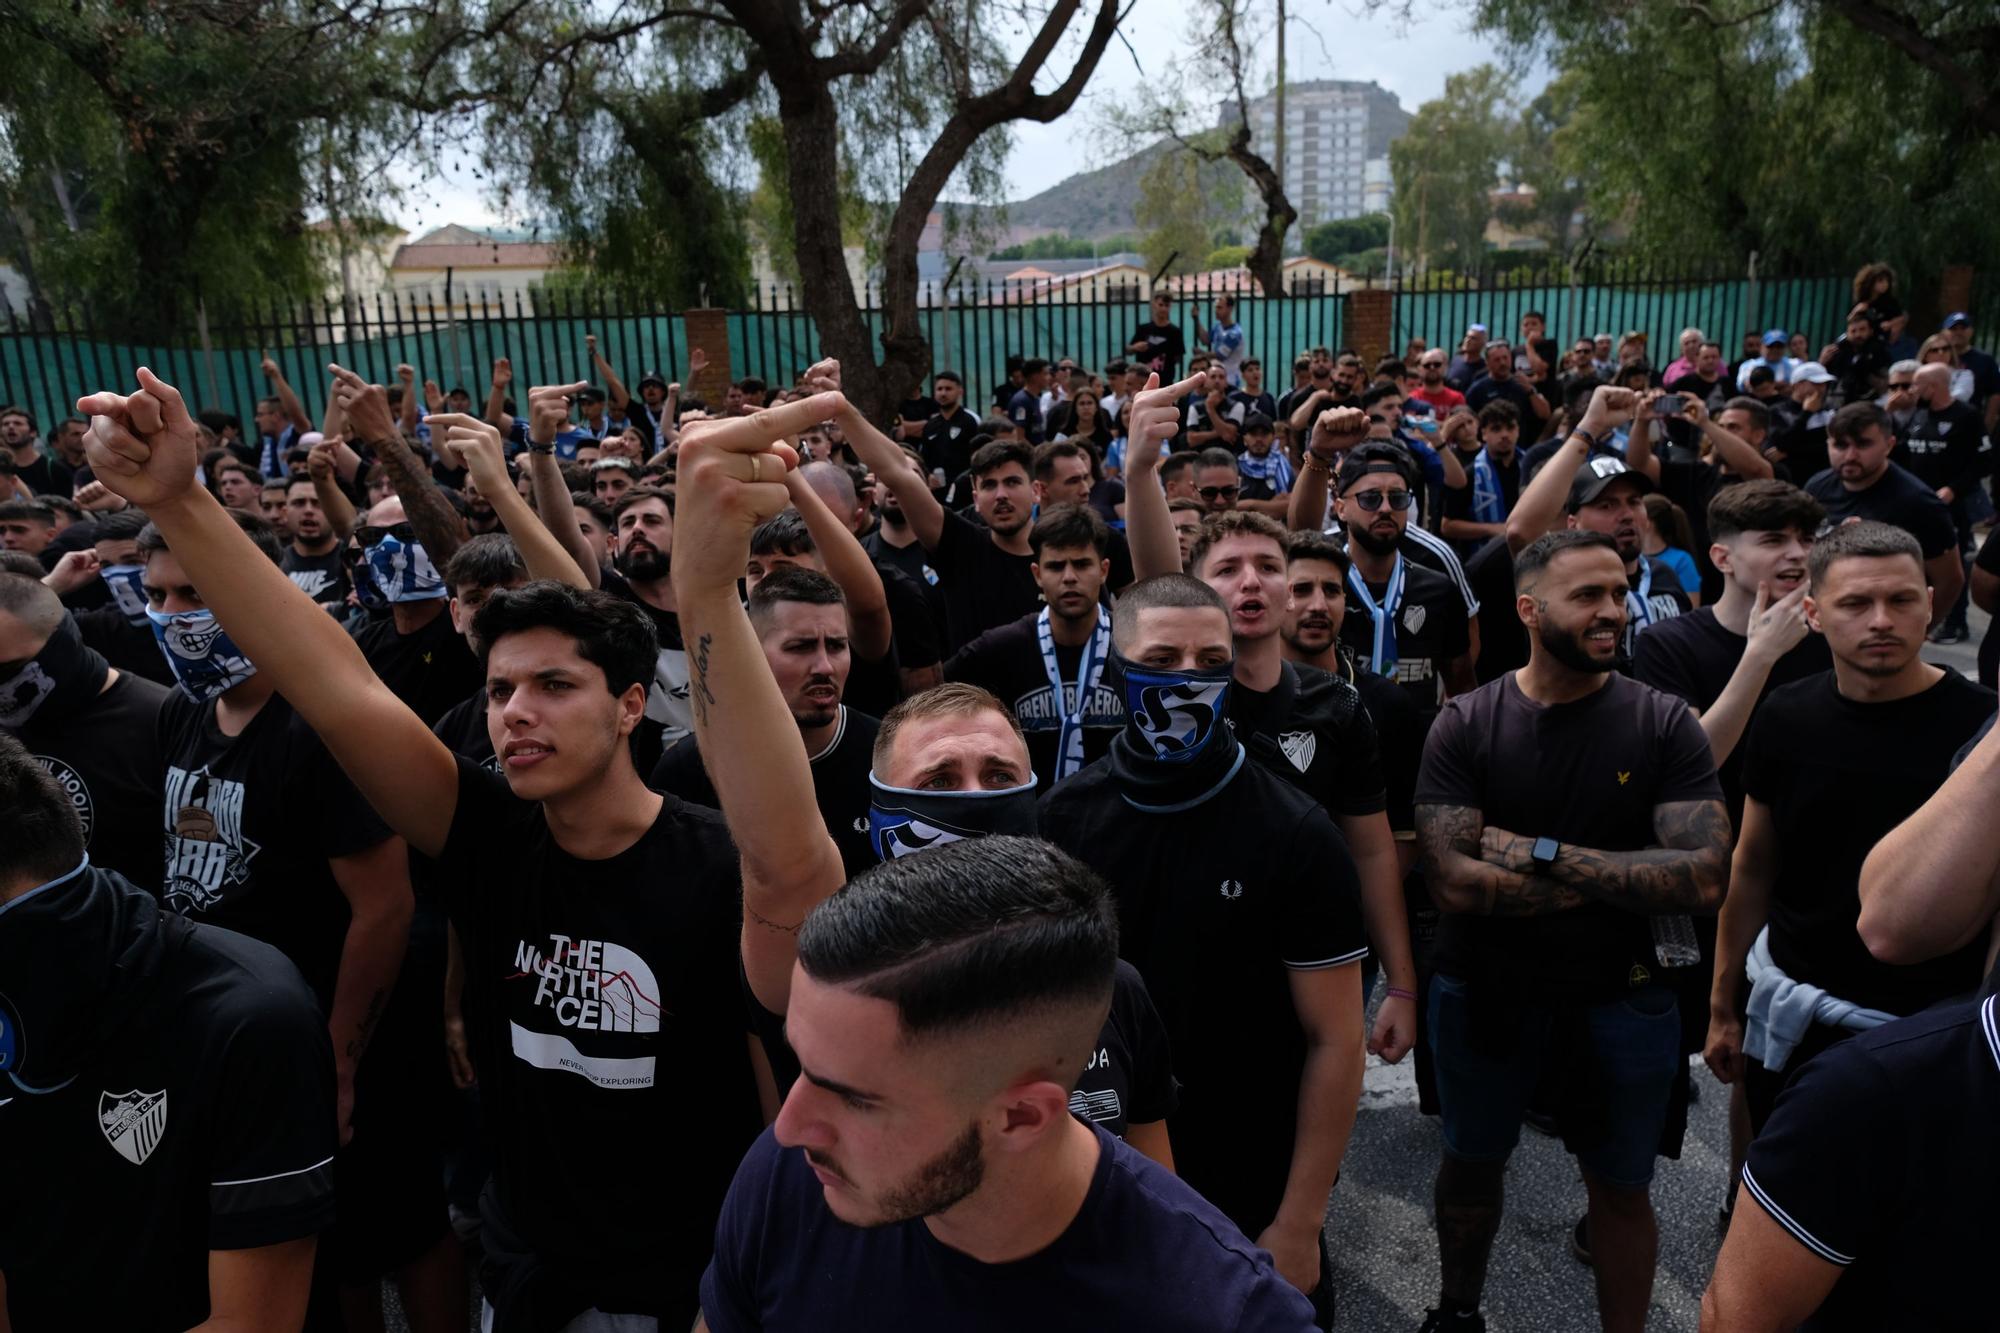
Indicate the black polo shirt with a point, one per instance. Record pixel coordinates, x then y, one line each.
1897 498
983 585
1430 627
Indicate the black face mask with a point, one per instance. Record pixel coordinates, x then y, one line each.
62 677
1177 749
78 958
905 820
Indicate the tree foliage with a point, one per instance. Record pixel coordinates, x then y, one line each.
1340 239
1181 219
1445 165
1061 245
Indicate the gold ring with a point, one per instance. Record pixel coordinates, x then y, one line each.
756 469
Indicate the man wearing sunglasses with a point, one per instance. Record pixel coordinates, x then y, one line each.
1216 481
1405 620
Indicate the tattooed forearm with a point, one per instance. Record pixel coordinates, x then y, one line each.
437 524
1465 877
698 692
1685 873
365 1029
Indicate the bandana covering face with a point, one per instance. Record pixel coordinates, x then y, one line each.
399 571
202 657
126 590
903 820
1176 750
65 673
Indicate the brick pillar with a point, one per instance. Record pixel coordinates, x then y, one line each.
708 330
1371 315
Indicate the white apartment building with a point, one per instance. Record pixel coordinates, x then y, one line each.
1337 136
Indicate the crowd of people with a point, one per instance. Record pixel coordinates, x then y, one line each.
751 866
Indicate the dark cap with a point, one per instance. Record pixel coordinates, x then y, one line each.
1373 456
652 377
1597 473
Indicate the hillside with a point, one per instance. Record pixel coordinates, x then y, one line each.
1093 204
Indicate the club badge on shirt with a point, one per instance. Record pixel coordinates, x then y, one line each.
1299 747
133 1122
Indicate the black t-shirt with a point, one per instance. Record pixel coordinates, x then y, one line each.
1144 1252
1942 447
1693 656
205 1123
840 784
1217 906
1312 731
1881 1158
1897 498
1024 409
1655 597
1503 639
1837 775
1691 484
106 758
1458 503
609 1035
1431 630
431 670
983 585
320 577
46 476
947 442
1399 732
1166 348
1007 661
916 611
667 710
1486 390
129 647
1586 773
919 408
251 821
463 730
1129 1078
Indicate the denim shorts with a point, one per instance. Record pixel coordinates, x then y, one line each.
1618 1061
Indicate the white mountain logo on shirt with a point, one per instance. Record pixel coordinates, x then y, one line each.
133 1122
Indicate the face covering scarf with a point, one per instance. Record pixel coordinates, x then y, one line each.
128 592
77 955
66 674
202 657
904 820
1176 750
397 568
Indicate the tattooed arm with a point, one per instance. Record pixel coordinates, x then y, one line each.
1462 865
435 521
1687 872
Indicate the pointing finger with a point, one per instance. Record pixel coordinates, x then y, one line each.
101 404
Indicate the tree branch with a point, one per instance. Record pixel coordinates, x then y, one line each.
1902 32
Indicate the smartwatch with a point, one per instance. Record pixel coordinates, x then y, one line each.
1545 851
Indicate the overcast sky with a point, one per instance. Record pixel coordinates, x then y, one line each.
1328 39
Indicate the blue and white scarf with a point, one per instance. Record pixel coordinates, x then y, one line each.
1489 500
1382 655
1273 468
1069 744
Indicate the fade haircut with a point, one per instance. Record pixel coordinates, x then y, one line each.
29 511
1215 456
1067 526
783 534
255 526
1763 506
1542 552
951 699
610 633
1317 546
1865 539
978 935
1233 523
489 560
997 454
792 584
1175 464
1760 415
1850 421
31 602
1173 592
1045 457
44 837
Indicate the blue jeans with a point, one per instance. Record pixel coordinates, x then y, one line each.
1619 1061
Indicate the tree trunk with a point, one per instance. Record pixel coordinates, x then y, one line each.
1267 259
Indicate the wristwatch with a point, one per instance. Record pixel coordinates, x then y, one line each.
1545 851
548 448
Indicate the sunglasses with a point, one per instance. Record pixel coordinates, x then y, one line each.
1898 384
405 533
1398 500
1218 492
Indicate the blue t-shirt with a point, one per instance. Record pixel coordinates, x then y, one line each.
1145 1252
1682 564
1024 409
568 440
1226 341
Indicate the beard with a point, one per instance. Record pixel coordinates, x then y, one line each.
893 517
1377 543
1567 647
1312 636
939 1183
643 564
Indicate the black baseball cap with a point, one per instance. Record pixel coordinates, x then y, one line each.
1597 474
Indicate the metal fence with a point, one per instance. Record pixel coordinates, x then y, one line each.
973 329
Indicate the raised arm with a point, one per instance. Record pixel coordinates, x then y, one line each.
1932 884
614 388
477 446
1153 418
496 396
848 566
891 466
1744 459
1541 504
1308 411
548 411
333 501
731 478
144 448
406 418
1334 431
438 525
288 398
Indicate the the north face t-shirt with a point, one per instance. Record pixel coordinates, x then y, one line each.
609 1031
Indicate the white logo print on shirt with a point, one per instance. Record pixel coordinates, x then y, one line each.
207 854
588 986
133 1122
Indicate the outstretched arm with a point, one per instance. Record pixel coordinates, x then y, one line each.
1153 418
437 523
548 412
1334 432
1541 504
144 448
731 479
614 388
891 466
288 398
848 566
478 446
333 501
496 396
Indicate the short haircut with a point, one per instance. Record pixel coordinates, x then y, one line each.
16 410
20 562
1850 421
255 526
638 495
1172 592
1251 363
1760 374
951 699
1317 546
611 634
1181 504
1760 415
1066 527
1220 527
1865 538
784 534
1256 424
1173 465
125 525
280 483
488 560
750 384
1763 506
1905 368
1499 412
1215 456
1034 365
44 836
1045 456
981 934
1534 314
1375 393
998 454
792 584
31 602
595 507
300 478
951 375
1542 552
29 511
